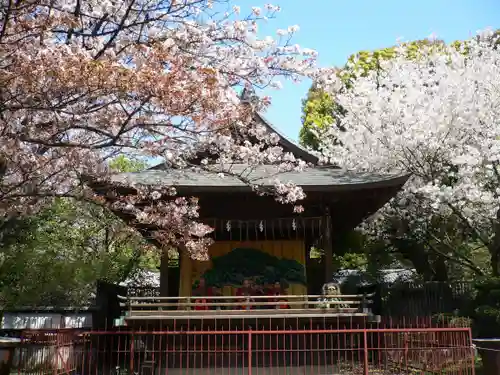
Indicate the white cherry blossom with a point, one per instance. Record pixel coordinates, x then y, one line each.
436 117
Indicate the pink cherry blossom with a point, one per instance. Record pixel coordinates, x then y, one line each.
84 80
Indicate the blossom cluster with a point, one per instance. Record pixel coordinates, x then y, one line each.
83 80
435 117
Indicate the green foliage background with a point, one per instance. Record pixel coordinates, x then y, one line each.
56 256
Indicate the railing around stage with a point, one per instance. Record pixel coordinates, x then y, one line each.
390 347
246 306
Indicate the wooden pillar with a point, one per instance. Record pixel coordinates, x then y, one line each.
328 245
164 273
185 273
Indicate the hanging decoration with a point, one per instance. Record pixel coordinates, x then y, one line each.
265 229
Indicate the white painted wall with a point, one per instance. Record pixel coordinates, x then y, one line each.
44 320
48 357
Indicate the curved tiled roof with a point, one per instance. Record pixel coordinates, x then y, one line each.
239 176
287 144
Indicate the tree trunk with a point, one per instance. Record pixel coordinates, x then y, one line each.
328 246
494 247
440 269
164 274
421 260
3 167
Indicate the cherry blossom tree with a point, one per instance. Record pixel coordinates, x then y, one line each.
319 109
84 80
436 117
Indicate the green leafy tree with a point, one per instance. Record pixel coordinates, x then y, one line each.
56 256
124 163
318 112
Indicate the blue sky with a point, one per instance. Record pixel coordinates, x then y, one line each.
336 29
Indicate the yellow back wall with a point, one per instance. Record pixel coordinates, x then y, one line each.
191 270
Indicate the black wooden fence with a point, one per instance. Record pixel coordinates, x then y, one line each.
413 299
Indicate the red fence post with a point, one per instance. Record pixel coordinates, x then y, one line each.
365 353
406 340
249 349
472 351
20 366
55 360
131 353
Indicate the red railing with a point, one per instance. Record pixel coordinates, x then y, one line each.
358 348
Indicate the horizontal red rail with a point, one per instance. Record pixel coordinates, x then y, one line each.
275 332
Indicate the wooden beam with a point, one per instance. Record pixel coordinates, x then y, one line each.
248 314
